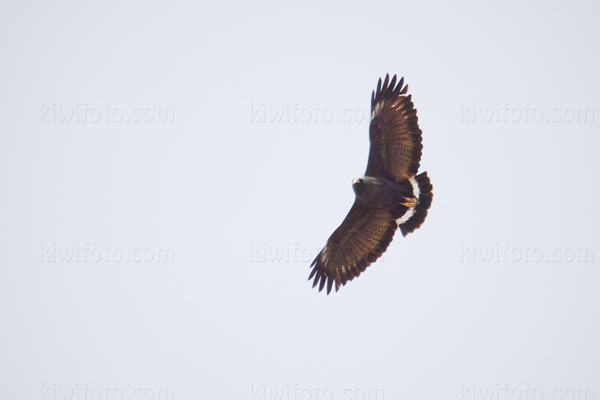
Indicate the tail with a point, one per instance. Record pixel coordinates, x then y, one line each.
415 216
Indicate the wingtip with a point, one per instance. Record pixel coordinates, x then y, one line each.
404 89
393 83
387 88
322 282
386 82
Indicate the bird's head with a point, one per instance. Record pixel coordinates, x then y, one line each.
359 186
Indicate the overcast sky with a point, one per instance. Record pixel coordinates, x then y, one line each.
170 169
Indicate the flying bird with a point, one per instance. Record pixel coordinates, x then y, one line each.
390 196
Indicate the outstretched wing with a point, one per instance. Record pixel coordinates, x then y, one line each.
394 133
360 240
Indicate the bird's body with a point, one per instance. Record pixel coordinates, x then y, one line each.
381 192
390 196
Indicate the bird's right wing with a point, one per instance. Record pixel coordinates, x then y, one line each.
361 239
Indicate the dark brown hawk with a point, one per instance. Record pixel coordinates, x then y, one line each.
390 196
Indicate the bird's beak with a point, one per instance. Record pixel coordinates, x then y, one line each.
355 181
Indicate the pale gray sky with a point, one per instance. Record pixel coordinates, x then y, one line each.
167 256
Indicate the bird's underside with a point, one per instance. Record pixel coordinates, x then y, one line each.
390 196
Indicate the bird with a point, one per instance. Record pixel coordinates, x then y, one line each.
391 195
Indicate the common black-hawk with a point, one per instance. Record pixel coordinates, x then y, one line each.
390 196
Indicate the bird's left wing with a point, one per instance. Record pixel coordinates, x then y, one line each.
361 239
394 133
